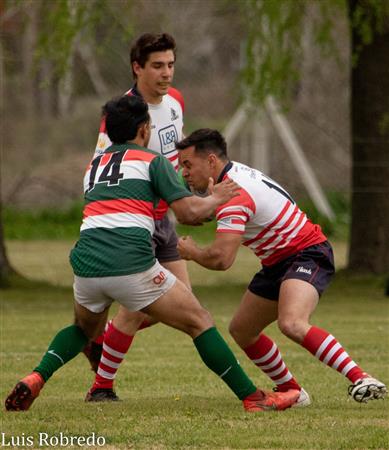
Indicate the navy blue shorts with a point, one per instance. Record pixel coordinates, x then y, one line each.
165 241
314 264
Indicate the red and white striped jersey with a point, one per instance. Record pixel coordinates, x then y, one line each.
266 216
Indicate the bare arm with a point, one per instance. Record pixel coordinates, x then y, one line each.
218 256
194 210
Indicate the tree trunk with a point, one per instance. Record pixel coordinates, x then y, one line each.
5 267
369 243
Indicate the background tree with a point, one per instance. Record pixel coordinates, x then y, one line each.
274 46
58 42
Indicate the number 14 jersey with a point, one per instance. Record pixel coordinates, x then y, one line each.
270 222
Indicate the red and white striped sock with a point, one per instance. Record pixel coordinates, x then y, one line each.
328 350
264 353
100 339
115 347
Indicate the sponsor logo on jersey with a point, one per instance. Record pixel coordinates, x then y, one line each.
303 270
168 137
174 115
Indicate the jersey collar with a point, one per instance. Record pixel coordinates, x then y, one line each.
226 168
135 91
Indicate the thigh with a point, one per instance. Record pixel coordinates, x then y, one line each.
179 269
91 323
180 309
254 314
298 299
128 322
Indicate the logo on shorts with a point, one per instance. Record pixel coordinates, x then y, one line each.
160 278
303 270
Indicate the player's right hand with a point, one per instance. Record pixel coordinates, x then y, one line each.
224 191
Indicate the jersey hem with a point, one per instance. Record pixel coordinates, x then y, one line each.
114 273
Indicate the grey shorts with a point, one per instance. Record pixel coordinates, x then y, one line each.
134 291
165 241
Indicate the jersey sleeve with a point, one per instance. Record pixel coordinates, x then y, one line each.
165 180
176 94
232 216
103 141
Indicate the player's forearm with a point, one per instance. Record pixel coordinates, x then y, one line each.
197 210
209 258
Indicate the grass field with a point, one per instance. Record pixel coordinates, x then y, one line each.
169 399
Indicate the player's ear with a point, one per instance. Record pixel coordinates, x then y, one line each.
136 67
212 160
144 130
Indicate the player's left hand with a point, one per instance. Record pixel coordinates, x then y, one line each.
186 247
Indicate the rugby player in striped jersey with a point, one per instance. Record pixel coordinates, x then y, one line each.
297 265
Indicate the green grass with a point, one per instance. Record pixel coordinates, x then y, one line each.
169 399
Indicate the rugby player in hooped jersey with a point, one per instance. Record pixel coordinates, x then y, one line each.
297 265
152 61
113 259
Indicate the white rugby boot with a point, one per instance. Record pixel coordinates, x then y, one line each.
367 388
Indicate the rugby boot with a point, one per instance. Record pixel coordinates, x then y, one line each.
367 388
303 399
101 395
25 392
270 401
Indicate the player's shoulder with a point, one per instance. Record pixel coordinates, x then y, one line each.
134 152
177 96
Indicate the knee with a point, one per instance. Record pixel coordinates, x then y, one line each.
200 321
239 334
128 322
293 328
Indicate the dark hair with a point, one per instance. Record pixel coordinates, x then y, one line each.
123 116
205 141
148 43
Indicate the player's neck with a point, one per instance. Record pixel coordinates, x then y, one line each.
151 98
139 140
221 168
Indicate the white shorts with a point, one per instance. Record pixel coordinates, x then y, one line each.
134 291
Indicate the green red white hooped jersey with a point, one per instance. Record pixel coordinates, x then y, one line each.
167 122
122 188
270 222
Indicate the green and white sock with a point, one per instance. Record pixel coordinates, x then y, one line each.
67 344
218 357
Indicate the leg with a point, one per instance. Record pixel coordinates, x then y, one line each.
298 300
179 269
180 309
120 332
64 347
253 315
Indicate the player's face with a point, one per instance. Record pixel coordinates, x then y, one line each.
196 169
155 78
